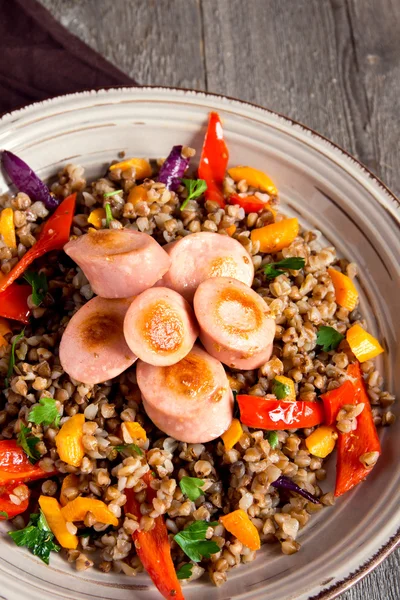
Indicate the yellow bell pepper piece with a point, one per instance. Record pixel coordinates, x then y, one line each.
7 228
137 194
69 441
234 384
135 430
255 178
321 441
289 382
57 523
238 524
363 345
96 216
276 236
70 481
232 435
345 291
77 509
141 165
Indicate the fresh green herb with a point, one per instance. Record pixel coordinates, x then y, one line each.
193 541
273 439
195 188
39 285
328 338
185 571
109 216
4 514
191 486
132 448
36 536
45 413
281 390
12 357
293 263
113 193
28 443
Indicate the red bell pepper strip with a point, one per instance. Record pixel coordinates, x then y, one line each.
9 508
15 465
14 302
277 414
350 446
335 399
54 235
153 547
250 204
214 160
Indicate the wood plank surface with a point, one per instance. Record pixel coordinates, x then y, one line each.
332 64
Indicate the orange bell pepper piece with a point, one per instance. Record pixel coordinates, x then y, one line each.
76 510
276 236
137 194
278 414
231 230
4 326
70 481
7 507
7 228
69 441
345 291
134 430
239 524
58 525
96 217
363 345
254 178
232 435
214 160
15 465
321 441
141 165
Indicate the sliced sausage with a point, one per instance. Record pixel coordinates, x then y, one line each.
93 348
160 327
191 401
202 255
119 263
234 323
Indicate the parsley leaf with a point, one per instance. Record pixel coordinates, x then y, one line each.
28 443
191 486
193 541
113 193
273 439
294 263
45 413
281 390
185 571
129 448
4 514
12 357
195 188
328 338
36 536
109 216
39 285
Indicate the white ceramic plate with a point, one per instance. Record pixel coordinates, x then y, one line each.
330 191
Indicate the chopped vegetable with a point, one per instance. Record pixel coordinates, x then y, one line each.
214 160
321 441
8 508
195 188
11 361
4 326
231 230
250 204
345 291
276 236
285 483
14 302
153 547
54 236
45 413
69 441
363 345
289 383
37 537
130 448
185 571
109 215
28 443
278 414
25 180
39 285
15 465
193 541
3 513
334 400
137 194
232 435
7 227
273 439
58 525
191 487
113 193
76 510
96 217
361 443
294 263
70 481
135 430
173 169
254 178
141 165
239 524
281 389
329 338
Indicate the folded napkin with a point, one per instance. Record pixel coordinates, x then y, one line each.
40 59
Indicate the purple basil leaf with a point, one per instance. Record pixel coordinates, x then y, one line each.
173 169
285 483
25 180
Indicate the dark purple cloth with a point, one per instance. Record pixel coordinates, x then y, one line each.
40 59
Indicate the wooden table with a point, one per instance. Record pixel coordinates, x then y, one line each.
333 65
